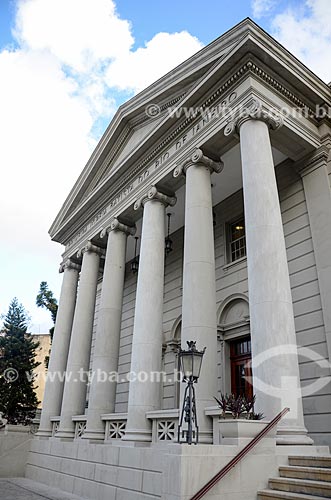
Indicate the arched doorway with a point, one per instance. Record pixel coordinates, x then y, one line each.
235 346
170 366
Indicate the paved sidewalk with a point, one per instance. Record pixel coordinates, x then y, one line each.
25 489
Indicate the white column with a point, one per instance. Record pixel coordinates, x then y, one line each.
318 198
199 295
107 340
147 332
74 393
60 346
276 378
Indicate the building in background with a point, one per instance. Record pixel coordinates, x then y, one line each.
40 372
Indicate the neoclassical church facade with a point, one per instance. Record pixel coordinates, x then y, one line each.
203 214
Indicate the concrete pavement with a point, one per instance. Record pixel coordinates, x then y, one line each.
25 489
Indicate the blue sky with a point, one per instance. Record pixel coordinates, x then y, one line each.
65 66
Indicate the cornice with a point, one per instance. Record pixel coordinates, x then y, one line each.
143 117
111 156
276 85
313 161
124 138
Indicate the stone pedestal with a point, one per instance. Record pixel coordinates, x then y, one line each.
144 390
60 346
107 340
74 393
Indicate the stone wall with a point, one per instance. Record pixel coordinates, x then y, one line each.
97 472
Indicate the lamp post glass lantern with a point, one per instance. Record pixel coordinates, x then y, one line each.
190 362
135 262
168 240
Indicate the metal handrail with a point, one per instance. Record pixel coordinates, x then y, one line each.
239 456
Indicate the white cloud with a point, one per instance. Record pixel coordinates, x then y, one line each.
54 87
307 34
138 69
80 33
262 7
304 29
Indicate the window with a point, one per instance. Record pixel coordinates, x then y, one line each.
237 248
241 371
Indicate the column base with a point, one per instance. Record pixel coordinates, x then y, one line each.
293 436
94 436
140 435
65 434
43 433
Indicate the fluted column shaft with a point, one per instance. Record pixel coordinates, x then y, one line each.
199 295
52 400
144 392
276 378
107 340
74 393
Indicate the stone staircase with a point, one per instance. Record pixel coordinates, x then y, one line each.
305 478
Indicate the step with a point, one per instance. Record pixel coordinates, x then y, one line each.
284 495
314 473
312 461
317 488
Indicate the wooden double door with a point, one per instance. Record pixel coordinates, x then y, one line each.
241 371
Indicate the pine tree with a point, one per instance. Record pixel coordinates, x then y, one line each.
18 400
46 300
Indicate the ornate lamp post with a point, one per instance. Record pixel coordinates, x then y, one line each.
190 365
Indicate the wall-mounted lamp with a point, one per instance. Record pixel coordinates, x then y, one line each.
168 240
135 262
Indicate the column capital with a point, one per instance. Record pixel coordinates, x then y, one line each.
153 194
68 264
253 111
198 158
116 225
89 247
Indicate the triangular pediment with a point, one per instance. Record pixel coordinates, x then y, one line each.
133 133
129 133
